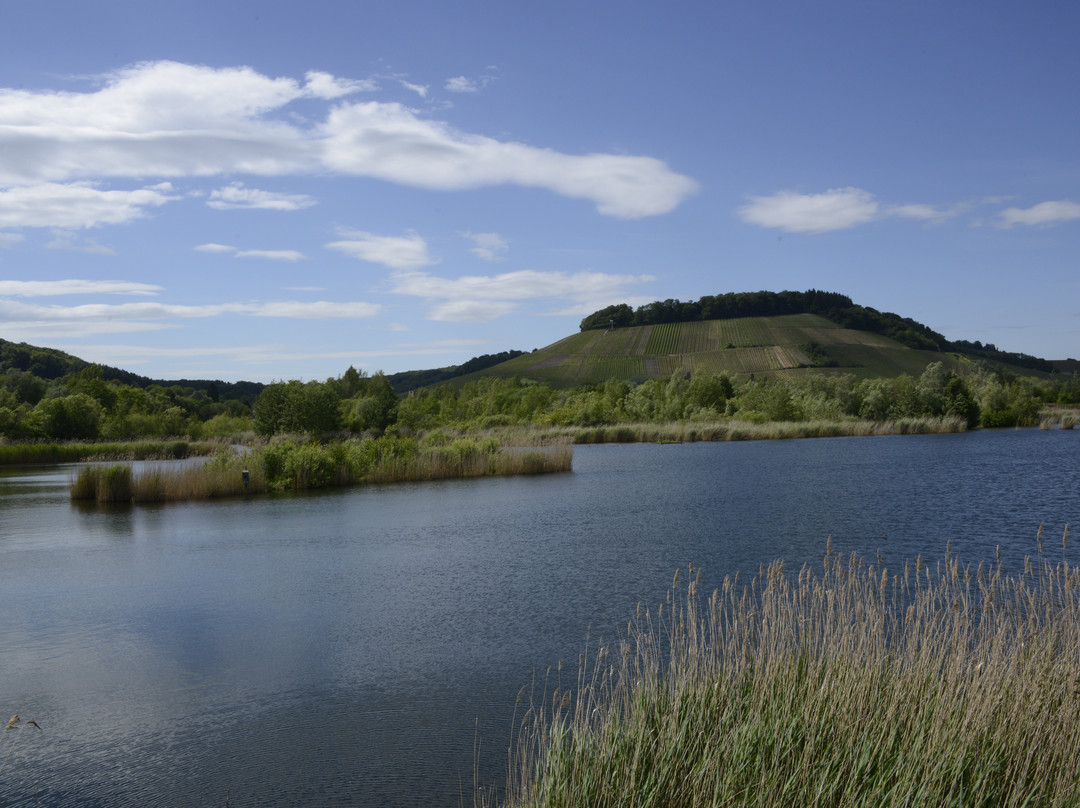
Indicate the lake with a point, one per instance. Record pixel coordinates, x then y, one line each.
355 647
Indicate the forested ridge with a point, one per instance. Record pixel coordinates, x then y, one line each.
833 306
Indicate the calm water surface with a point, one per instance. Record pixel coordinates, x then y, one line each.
351 648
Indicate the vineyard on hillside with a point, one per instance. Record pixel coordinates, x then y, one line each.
779 346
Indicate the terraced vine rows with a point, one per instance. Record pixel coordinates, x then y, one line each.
772 345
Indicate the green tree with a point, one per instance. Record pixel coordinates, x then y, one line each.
76 417
376 409
296 407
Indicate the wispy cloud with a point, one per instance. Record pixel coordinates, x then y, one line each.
76 205
8 240
103 318
237 197
464 84
271 255
73 242
420 89
489 246
327 86
75 287
835 209
395 252
1045 213
461 84
478 298
170 120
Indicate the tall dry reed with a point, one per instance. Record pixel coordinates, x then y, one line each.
851 685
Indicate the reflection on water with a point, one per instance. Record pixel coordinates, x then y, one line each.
349 647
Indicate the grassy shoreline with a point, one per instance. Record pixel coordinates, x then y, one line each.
851 685
532 435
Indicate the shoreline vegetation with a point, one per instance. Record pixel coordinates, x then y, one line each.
294 466
728 429
849 685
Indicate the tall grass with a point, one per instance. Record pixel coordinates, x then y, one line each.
1059 417
853 685
291 465
42 453
728 430
103 484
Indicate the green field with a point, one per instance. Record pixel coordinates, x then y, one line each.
760 345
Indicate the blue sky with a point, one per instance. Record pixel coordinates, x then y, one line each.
271 190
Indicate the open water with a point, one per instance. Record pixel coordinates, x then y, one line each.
357 647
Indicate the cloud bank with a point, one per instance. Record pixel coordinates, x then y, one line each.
171 120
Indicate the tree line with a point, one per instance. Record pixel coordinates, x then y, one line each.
84 405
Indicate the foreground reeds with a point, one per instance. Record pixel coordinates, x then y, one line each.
852 686
290 465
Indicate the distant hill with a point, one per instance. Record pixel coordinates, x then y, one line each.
414 379
781 345
773 333
50 364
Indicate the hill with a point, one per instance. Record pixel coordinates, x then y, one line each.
50 364
782 345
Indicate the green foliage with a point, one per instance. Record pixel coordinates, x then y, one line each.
375 409
297 408
75 417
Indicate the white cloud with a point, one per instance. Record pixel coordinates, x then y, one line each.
237 197
75 287
166 119
75 205
420 89
475 298
836 209
272 255
461 84
489 246
324 85
18 318
391 142
1045 213
8 240
396 252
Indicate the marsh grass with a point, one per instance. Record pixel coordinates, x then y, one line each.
853 685
727 430
1059 417
103 484
292 465
42 453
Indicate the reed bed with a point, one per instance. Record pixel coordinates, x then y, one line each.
43 453
734 430
1060 418
291 465
852 685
